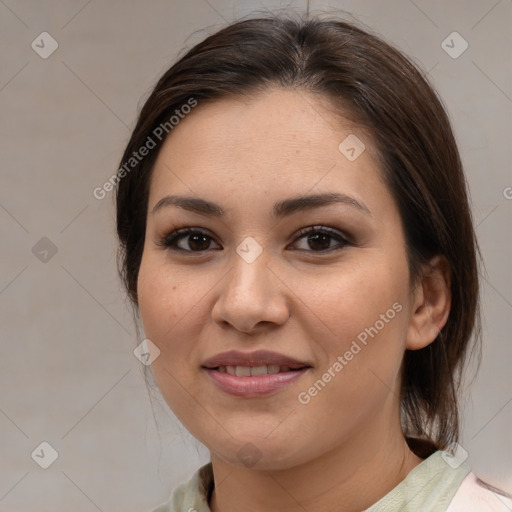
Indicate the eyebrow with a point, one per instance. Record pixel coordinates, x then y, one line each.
281 208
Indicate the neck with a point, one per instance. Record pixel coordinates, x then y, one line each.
349 478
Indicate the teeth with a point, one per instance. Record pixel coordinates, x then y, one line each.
247 371
243 371
259 370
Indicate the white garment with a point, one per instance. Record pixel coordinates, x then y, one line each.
472 496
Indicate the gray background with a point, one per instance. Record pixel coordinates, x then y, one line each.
67 372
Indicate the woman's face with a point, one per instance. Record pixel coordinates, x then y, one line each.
293 276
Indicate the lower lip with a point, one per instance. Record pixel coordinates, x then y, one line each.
256 385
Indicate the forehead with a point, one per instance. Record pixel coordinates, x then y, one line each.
285 114
278 140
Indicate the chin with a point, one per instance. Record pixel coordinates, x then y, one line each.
259 453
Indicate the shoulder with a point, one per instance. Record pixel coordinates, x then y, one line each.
474 495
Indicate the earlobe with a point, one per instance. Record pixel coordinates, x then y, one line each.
431 304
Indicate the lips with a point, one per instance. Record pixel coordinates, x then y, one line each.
253 374
259 358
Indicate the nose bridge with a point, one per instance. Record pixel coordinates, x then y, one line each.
249 276
249 294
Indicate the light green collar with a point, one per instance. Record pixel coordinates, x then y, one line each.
429 486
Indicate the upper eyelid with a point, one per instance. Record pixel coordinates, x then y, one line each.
320 227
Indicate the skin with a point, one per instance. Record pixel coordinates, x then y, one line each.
344 449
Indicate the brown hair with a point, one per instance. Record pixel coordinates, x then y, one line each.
390 97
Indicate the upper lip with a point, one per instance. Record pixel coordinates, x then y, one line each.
257 358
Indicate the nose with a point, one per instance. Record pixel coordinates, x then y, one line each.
251 298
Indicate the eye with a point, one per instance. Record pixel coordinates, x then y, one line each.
320 239
313 238
188 240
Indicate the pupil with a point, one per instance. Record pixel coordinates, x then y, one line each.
198 242
320 238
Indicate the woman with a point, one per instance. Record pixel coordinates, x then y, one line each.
296 237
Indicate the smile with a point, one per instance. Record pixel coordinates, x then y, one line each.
244 383
253 374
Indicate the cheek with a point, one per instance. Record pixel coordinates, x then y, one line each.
173 314
165 302
166 298
359 319
347 300
163 307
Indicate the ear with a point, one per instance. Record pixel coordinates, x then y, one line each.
431 304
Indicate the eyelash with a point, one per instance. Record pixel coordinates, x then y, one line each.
172 238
